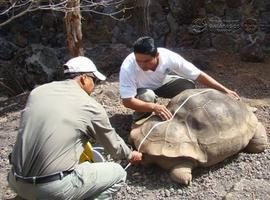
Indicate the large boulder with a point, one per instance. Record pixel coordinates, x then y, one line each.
31 66
7 49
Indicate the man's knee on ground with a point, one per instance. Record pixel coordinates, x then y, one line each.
146 95
119 171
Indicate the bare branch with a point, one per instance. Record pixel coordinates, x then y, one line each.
12 9
27 8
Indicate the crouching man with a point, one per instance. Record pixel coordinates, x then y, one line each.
57 122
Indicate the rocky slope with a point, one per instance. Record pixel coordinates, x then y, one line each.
243 176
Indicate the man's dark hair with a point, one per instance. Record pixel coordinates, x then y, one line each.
145 45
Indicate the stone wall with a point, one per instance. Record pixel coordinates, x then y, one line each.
236 26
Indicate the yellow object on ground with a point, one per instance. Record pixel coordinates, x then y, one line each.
87 154
92 154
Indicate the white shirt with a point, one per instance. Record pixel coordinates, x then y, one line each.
133 77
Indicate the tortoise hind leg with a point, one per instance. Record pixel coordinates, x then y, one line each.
181 173
259 141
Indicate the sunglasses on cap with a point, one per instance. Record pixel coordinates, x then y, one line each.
93 77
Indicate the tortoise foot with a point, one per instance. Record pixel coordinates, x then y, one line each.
181 174
259 142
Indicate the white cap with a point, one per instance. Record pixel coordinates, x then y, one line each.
83 64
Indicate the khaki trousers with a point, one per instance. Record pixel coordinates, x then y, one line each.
87 181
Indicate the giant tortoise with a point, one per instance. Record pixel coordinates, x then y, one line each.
207 127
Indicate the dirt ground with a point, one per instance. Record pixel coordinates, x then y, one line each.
250 80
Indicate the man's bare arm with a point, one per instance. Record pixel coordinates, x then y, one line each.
210 82
141 106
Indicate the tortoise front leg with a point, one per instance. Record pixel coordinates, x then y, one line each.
259 141
181 172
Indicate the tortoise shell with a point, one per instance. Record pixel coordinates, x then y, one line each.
207 126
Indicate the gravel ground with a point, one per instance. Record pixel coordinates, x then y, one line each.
243 176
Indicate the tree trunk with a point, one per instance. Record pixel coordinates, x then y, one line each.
143 16
74 28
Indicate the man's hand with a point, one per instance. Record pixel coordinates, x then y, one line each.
136 158
162 112
233 94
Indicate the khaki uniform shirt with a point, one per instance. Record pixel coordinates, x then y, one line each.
58 120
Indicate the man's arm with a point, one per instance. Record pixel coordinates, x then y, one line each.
142 106
210 82
138 105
